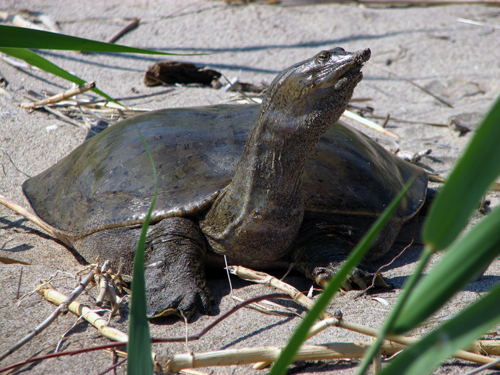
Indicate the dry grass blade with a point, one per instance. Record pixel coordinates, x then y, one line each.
81 287
61 96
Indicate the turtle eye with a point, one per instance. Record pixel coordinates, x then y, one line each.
323 56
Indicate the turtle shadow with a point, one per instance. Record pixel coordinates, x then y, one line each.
19 224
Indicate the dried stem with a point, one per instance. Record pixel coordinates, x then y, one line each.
263 278
268 280
61 96
86 313
33 218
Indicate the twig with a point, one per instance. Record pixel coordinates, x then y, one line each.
412 83
61 96
52 316
132 25
482 368
48 22
113 367
408 121
17 64
266 279
268 311
62 116
86 313
12 161
17 20
19 282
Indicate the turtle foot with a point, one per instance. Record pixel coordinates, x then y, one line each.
175 272
183 298
358 279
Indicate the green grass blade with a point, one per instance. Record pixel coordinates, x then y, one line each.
300 334
44 64
463 261
139 360
20 37
470 179
440 344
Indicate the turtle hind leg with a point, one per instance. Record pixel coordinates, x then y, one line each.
323 246
175 272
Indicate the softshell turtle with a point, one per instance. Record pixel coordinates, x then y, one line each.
261 184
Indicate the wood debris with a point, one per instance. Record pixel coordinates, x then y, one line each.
172 72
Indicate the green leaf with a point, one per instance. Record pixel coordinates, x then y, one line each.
463 262
38 61
300 334
440 344
20 37
470 179
139 344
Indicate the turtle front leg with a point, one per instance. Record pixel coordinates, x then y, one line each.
175 272
322 248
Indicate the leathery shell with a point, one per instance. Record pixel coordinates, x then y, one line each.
107 182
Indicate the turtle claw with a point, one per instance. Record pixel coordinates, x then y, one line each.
358 279
181 301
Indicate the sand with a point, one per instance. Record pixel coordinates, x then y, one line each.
458 62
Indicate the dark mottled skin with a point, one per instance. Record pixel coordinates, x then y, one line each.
276 183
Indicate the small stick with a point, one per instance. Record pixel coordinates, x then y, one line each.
17 20
266 279
477 23
103 283
59 114
86 313
61 96
34 219
49 23
409 121
132 25
19 283
15 63
52 316
12 161
412 83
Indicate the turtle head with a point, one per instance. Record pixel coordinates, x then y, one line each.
318 87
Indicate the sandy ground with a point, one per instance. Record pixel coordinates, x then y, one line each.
457 61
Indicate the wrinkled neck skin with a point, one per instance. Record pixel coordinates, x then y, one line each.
258 215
